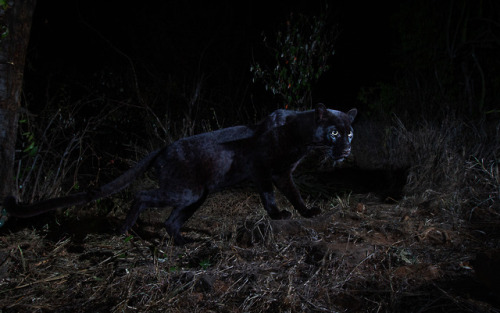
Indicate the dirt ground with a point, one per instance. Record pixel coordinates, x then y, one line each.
361 254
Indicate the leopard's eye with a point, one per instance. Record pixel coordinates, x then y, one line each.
350 134
334 133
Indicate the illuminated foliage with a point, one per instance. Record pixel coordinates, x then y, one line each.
301 50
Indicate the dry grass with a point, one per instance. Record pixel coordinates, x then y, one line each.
451 163
358 256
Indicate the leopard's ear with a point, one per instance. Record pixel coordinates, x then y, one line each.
352 114
320 112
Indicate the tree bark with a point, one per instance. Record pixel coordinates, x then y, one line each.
15 26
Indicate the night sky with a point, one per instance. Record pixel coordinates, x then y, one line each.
73 41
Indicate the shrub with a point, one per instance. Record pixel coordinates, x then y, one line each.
301 50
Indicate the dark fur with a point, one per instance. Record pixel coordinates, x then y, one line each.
191 168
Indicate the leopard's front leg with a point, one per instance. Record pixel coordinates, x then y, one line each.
285 184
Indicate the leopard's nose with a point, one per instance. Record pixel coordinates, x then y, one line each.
347 151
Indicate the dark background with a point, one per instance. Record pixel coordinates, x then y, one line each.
173 43
123 78
413 48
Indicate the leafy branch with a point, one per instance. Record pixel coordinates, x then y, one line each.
301 51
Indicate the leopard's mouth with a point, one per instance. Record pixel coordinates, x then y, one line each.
339 158
336 157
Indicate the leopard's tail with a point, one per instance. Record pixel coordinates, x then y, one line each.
12 208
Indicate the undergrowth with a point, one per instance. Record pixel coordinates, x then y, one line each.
452 163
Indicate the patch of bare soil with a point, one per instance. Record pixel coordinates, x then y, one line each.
359 255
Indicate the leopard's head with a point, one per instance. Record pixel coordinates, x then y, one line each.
334 132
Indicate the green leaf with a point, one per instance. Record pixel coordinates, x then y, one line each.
33 151
30 147
205 264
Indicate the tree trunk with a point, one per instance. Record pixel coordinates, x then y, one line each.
15 25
